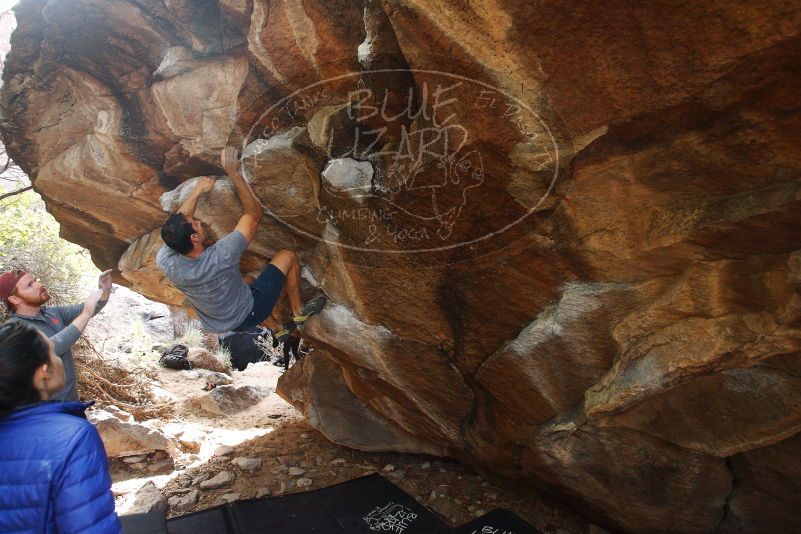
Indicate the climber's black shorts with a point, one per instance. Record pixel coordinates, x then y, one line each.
266 290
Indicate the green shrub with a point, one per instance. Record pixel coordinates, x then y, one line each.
29 241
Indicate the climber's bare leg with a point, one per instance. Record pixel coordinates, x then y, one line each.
289 264
275 314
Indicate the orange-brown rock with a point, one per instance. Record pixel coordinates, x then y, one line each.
561 241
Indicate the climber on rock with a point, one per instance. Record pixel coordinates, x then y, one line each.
208 273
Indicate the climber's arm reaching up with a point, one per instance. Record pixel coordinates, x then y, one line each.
203 185
249 222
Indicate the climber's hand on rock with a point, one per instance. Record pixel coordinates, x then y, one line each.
205 184
230 161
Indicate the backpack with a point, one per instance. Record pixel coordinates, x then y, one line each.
175 358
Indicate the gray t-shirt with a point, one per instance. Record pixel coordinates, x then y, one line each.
212 282
56 323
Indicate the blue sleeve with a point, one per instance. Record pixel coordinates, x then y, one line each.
230 248
83 502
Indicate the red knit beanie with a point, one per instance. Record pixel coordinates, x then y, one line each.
7 283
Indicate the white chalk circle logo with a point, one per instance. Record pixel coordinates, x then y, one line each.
441 162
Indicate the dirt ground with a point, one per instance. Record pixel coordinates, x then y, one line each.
293 456
278 435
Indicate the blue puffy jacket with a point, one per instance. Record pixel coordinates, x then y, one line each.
54 472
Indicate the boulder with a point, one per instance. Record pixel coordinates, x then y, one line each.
121 438
560 241
203 359
230 399
145 500
184 502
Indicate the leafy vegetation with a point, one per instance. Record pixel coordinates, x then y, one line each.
29 241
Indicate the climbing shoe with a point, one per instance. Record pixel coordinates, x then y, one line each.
315 305
282 334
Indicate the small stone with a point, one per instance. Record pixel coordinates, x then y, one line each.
304 435
279 469
595 529
147 499
479 512
134 459
122 415
282 487
200 478
230 497
184 503
388 468
262 492
318 460
223 479
491 494
137 467
425 465
183 480
223 450
247 464
296 471
190 439
304 482
397 475
162 468
432 495
338 461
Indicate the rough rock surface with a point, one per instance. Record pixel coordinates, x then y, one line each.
127 438
147 499
575 260
203 359
230 399
223 479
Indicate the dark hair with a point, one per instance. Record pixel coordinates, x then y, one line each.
176 233
22 351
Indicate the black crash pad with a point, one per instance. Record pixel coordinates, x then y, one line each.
367 505
362 506
497 522
149 523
